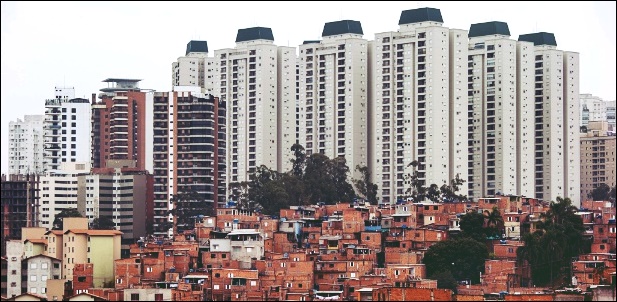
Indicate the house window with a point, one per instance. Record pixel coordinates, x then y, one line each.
33 265
81 279
134 297
158 297
149 269
119 281
33 290
32 278
44 265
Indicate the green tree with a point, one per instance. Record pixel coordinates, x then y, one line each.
102 223
449 192
472 226
601 192
549 250
366 189
240 194
70 212
298 161
433 193
463 257
416 191
445 280
494 222
612 196
338 175
188 206
266 189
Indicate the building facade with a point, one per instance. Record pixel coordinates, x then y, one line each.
59 191
120 193
189 150
26 145
20 204
500 116
66 129
557 124
120 122
248 79
190 70
419 104
597 158
333 95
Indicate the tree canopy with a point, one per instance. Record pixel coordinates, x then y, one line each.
312 179
417 190
601 192
463 258
70 212
187 208
102 223
549 250
365 188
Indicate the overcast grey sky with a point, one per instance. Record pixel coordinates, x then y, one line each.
79 44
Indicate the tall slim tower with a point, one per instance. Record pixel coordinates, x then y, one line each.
26 145
333 80
500 120
191 69
189 150
67 129
419 103
249 80
557 124
120 123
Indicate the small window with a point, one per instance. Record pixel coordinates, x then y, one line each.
134 297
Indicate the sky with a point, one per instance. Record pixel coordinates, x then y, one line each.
79 44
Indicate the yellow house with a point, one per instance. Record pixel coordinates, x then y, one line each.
99 247
33 247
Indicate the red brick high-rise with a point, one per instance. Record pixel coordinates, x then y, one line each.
119 124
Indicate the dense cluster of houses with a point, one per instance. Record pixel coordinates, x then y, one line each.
342 252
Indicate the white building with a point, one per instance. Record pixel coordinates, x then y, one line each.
249 79
419 104
59 191
67 129
333 96
500 90
26 145
557 124
593 108
117 195
191 69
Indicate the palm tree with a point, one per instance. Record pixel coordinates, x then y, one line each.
493 218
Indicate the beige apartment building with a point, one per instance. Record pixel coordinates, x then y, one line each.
597 158
333 100
500 115
557 145
256 80
419 103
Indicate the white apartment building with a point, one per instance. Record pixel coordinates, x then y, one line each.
66 129
26 145
191 70
118 195
333 96
593 108
59 191
557 124
247 79
500 115
419 104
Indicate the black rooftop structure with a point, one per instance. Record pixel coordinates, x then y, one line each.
342 27
196 46
420 15
489 28
311 42
254 33
541 38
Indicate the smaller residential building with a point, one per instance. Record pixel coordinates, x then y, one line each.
598 158
39 268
